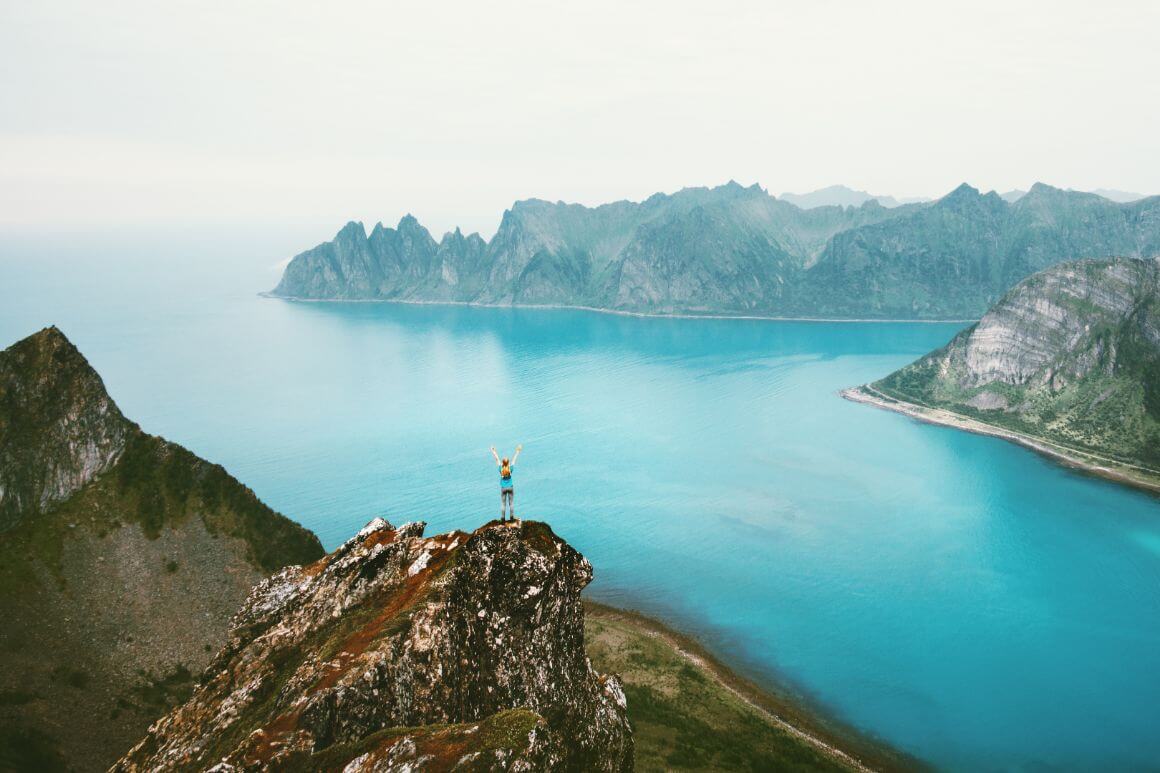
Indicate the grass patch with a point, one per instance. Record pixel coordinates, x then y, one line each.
167 691
27 749
16 697
684 718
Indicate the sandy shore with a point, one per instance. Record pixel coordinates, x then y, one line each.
1105 467
598 310
844 745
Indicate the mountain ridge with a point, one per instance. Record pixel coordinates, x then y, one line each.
734 250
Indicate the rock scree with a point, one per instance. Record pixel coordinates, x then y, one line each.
399 651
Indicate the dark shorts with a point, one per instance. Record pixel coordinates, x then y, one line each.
507 490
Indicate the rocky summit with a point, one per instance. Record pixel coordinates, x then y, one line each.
736 251
59 427
122 558
1071 355
399 651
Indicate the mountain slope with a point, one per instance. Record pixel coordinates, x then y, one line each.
124 557
735 250
403 650
957 257
1070 356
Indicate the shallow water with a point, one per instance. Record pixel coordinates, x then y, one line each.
955 595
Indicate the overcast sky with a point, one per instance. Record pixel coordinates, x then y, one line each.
159 112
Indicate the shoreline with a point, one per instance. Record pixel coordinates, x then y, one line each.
793 715
617 312
1083 461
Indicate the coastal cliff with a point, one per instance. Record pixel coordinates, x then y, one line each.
1070 357
400 651
122 558
734 250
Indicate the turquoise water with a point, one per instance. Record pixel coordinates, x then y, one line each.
957 596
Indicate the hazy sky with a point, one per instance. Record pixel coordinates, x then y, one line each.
125 113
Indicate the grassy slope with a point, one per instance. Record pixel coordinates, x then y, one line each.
688 713
171 524
1115 415
1101 392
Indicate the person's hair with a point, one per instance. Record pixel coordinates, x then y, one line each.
505 460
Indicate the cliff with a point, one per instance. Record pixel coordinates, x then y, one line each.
1070 356
399 651
122 559
736 250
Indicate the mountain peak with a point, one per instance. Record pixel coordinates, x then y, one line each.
353 229
69 429
963 190
420 618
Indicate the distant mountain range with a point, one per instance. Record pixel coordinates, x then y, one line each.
734 250
1122 197
1069 358
840 196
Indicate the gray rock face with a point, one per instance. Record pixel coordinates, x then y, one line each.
58 427
1039 331
1071 354
395 630
735 250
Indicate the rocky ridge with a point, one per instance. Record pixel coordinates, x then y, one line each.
399 651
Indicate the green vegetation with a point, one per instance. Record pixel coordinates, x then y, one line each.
690 715
16 697
160 693
73 677
167 483
28 749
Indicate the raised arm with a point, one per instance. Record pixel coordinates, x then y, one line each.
493 453
516 455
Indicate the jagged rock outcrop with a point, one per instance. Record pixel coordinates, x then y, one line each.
124 558
58 427
399 651
1071 354
736 250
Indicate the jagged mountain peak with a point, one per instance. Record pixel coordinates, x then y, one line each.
439 634
59 428
961 191
409 222
354 227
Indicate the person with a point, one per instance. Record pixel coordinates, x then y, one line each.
507 494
